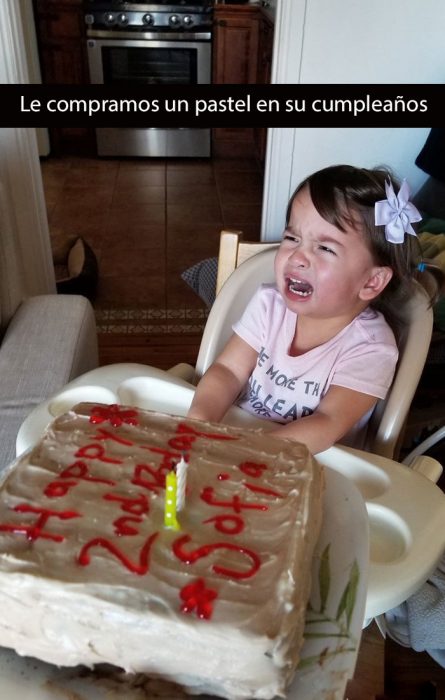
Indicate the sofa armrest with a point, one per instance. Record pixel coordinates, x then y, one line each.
50 341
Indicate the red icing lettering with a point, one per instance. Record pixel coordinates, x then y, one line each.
169 458
114 414
93 451
252 469
136 506
103 434
36 531
205 550
207 495
121 526
222 523
79 470
155 481
263 489
182 443
196 596
184 428
140 568
58 489
223 477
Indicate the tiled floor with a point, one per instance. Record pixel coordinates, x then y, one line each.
147 221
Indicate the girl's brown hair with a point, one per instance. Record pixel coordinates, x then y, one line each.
345 196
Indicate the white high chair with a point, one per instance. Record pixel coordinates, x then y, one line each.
406 511
241 268
235 285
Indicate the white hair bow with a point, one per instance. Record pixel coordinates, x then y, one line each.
396 213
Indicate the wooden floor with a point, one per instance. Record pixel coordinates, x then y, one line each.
368 680
387 671
147 221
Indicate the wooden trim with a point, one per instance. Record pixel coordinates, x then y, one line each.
286 63
277 182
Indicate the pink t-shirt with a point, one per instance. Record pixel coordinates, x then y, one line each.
362 357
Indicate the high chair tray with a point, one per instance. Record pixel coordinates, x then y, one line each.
329 651
406 511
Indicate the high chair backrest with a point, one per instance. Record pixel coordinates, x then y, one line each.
244 266
389 416
233 251
239 275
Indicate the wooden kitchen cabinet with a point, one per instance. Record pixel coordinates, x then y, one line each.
60 31
242 54
235 62
235 44
265 51
60 28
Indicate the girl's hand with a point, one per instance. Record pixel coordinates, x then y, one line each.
223 381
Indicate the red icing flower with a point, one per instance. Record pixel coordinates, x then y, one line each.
196 595
114 414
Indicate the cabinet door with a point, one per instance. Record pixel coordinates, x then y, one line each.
264 74
235 62
60 28
235 48
265 51
62 65
59 21
61 36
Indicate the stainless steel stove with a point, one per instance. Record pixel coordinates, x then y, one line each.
139 43
167 16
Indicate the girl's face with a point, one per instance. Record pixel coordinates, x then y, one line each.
323 272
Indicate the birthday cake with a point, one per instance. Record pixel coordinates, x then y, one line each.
98 564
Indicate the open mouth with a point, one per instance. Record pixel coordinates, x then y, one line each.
299 287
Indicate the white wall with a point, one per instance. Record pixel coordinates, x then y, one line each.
393 147
306 150
377 41
349 41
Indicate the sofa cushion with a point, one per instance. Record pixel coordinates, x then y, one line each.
50 341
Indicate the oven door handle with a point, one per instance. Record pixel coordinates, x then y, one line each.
146 37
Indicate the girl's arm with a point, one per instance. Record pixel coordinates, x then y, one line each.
223 381
338 411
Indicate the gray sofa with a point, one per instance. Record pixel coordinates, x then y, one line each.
50 340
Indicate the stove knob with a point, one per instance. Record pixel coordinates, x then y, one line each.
109 18
174 21
122 19
89 19
187 20
148 20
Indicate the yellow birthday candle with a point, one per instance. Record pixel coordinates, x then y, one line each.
170 501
